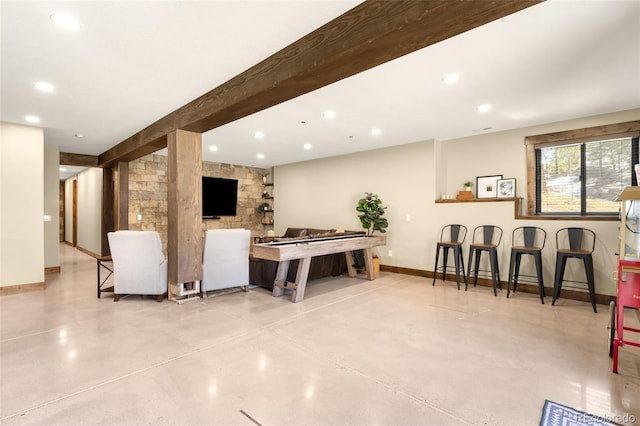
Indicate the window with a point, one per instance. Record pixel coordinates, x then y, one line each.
584 178
581 172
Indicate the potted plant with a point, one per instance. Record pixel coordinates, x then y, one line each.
371 211
263 207
467 185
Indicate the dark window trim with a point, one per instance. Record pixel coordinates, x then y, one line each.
626 129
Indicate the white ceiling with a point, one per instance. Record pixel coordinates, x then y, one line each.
132 62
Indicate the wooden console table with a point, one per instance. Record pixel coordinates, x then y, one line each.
285 251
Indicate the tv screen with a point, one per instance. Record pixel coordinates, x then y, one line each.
219 197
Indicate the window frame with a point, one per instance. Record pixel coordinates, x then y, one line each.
571 137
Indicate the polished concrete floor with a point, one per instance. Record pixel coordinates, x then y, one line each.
394 351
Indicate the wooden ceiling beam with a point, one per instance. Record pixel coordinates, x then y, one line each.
81 160
372 33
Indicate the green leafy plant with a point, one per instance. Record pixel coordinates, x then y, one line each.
263 206
371 211
468 183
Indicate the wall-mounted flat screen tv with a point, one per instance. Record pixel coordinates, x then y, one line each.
219 197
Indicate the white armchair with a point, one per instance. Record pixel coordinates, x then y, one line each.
225 261
139 266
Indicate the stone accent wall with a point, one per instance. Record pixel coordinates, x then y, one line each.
148 196
250 189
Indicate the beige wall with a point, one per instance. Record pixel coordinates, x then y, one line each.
409 178
68 210
52 206
90 210
324 194
21 205
503 152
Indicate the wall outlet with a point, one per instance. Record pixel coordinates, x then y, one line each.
139 217
390 253
407 218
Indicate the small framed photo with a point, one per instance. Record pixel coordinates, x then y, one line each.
487 186
507 188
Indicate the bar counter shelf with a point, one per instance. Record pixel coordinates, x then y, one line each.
476 200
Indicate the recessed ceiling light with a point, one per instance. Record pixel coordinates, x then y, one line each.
329 115
32 119
63 169
376 131
450 79
259 135
79 135
43 86
260 156
307 146
65 21
213 148
484 108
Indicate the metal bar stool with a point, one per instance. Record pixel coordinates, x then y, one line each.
451 237
485 238
577 243
528 240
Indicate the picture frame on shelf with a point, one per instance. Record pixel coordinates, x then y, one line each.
507 188
487 186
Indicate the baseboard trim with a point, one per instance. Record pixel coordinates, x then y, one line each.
407 271
22 288
89 252
582 296
52 270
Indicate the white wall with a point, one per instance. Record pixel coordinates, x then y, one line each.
323 194
90 210
21 205
52 206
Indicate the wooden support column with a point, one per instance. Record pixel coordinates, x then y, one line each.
184 181
121 195
107 209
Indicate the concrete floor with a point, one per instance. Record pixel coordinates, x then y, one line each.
394 351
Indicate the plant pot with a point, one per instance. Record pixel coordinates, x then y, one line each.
376 267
